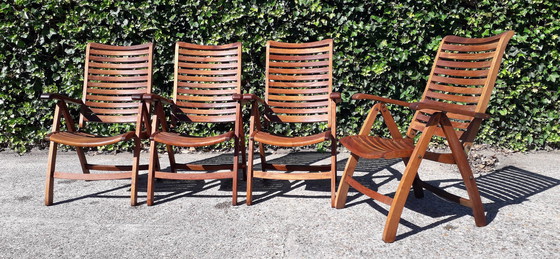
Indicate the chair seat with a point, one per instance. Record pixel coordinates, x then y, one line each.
372 147
176 139
82 139
283 141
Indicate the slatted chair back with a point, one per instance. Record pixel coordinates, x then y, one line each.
299 81
112 75
206 77
462 77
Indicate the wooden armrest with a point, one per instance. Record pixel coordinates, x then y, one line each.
360 96
152 98
445 108
51 96
240 98
247 97
137 97
336 97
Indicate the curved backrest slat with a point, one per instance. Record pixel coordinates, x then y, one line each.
298 81
206 77
112 75
462 77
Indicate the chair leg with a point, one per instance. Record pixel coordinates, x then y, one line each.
417 188
82 158
333 172
51 164
409 174
472 191
401 195
134 180
466 173
416 185
470 184
171 155
243 156
343 186
263 156
249 200
151 173
235 173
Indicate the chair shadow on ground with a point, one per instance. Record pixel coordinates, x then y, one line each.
274 188
169 190
505 186
102 194
172 189
264 189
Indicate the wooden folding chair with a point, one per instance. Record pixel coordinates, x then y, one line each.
453 106
206 77
112 75
298 90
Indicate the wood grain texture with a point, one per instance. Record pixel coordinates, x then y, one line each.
291 80
298 89
206 79
452 106
112 75
463 75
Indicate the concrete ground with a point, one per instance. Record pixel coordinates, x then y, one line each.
288 219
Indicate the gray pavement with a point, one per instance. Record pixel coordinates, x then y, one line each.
288 219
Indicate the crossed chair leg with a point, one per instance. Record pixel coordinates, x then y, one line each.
410 179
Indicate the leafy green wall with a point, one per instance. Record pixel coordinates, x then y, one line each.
382 47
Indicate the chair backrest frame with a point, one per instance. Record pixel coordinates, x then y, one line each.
463 76
205 78
112 75
299 82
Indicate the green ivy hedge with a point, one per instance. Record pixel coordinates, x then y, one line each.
381 47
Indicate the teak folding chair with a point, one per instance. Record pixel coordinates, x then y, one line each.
298 90
112 75
453 106
206 77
